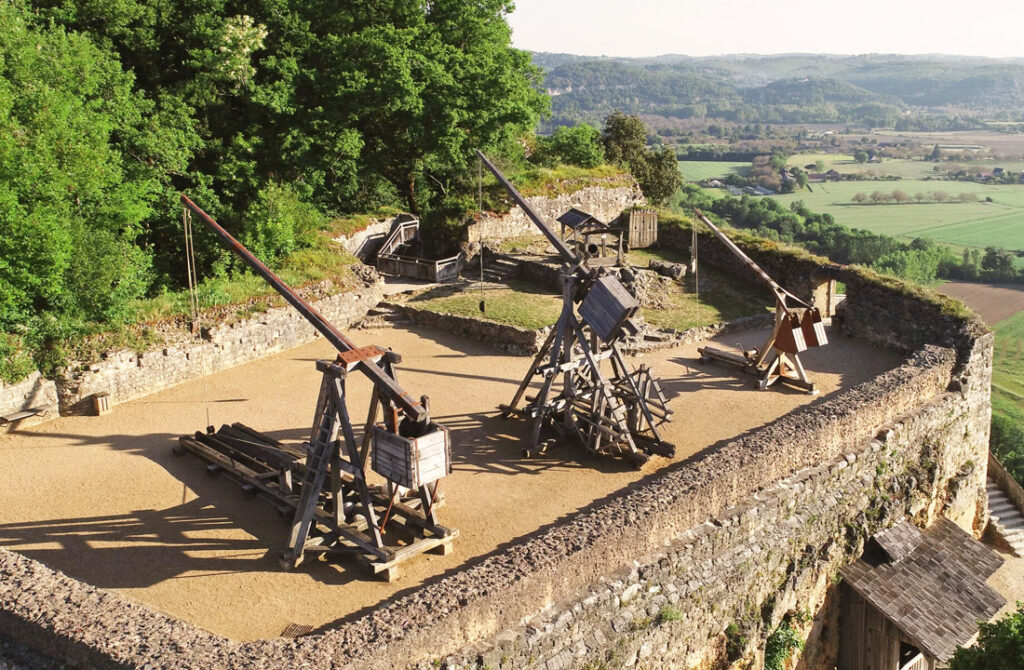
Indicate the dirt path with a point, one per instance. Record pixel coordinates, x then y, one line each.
103 498
994 302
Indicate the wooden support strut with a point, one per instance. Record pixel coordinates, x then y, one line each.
777 360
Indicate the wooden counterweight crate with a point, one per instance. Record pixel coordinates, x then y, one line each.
411 461
606 307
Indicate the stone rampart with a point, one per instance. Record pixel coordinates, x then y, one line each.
32 392
749 531
127 374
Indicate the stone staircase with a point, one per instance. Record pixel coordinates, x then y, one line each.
497 270
1006 520
383 316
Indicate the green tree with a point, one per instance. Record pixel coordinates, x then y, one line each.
1000 645
936 154
860 156
819 166
625 143
657 172
576 145
75 182
624 138
352 104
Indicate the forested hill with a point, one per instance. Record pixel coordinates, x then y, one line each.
794 88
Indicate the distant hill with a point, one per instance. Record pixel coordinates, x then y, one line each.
807 88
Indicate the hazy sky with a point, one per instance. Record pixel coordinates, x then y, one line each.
654 27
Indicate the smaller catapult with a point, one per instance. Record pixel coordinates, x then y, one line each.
615 412
324 487
797 327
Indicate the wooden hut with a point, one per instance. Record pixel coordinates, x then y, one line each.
590 235
914 596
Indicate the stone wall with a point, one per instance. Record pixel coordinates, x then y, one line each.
125 375
364 243
603 203
749 531
502 337
34 392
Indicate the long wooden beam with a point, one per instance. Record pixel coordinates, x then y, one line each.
567 255
780 293
412 408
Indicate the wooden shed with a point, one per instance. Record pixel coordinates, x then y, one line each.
914 597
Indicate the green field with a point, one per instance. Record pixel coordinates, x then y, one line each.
907 169
701 170
973 224
1008 391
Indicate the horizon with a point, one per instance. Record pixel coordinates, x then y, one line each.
734 27
780 54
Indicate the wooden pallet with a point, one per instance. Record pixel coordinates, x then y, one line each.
276 472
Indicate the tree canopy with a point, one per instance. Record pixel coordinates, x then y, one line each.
625 143
345 105
76 176
1000 645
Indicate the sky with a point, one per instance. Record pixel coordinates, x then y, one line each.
634 28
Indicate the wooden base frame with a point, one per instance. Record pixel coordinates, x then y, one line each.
324 490
611 412
777 361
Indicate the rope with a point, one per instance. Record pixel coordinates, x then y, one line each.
696 278
480 215
193 302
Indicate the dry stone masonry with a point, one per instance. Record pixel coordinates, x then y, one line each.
696 565
127 374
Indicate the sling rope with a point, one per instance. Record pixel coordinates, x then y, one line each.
479 218
693 257
193 301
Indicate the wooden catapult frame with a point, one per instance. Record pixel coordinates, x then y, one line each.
324 488
797 327
614 410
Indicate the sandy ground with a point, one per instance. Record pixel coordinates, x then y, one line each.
1008 581
993 302
103 498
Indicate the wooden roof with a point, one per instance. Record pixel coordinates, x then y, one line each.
575 218
931 584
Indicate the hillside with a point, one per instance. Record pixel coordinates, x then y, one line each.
790 88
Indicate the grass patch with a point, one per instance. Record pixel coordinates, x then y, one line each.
564 179
522 304
325 260
726 299
353 223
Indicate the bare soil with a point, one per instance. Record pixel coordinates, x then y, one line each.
104 500
993 302
1008 581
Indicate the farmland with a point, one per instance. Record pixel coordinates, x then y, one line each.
701 170
975 224
903 168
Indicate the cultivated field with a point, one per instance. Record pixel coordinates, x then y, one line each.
993 302
103 499
974 224
1004 144
701 170
907 169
